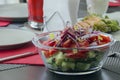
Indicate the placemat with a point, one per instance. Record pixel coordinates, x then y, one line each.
31 60
4 23
114 3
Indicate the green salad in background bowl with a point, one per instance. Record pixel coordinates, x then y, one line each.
103 24
73 51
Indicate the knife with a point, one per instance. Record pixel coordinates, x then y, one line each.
17 56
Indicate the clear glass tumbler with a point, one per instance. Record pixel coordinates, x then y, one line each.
98 7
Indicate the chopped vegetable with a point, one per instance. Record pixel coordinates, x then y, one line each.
68 50
104 24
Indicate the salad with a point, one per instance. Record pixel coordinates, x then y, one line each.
74 49
103 24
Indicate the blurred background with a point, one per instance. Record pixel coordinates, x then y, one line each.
11 1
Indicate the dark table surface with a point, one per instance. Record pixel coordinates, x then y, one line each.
31 72
41 73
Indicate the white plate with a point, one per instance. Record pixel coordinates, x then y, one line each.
12 38
14 12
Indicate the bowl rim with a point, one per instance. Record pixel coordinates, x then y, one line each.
39 36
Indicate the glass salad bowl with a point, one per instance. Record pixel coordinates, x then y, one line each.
67 53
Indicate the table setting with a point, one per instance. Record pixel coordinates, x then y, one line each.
29 44
14 42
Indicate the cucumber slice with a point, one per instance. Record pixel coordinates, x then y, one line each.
99 56
69 60
68 66
59 58
91 54
50 60
82 66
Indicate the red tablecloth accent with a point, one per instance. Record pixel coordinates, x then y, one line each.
4 23
114 4
32 60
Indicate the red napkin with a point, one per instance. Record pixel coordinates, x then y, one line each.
113 4
32 60
4 23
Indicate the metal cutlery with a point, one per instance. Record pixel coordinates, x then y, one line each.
18 56
112 62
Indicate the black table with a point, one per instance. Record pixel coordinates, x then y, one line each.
30 72
41 73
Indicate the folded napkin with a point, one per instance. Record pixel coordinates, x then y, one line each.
4 23
113 4
32 59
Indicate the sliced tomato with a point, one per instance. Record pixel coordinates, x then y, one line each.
49 43
52 52
67 51
80 54
67 43
46 54
84 43
93 39
101 39
49 53
52 43
73 45
104 40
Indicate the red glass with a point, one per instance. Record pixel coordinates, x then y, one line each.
35 8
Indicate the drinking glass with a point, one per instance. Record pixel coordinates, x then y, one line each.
98 7
68 9
35 11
